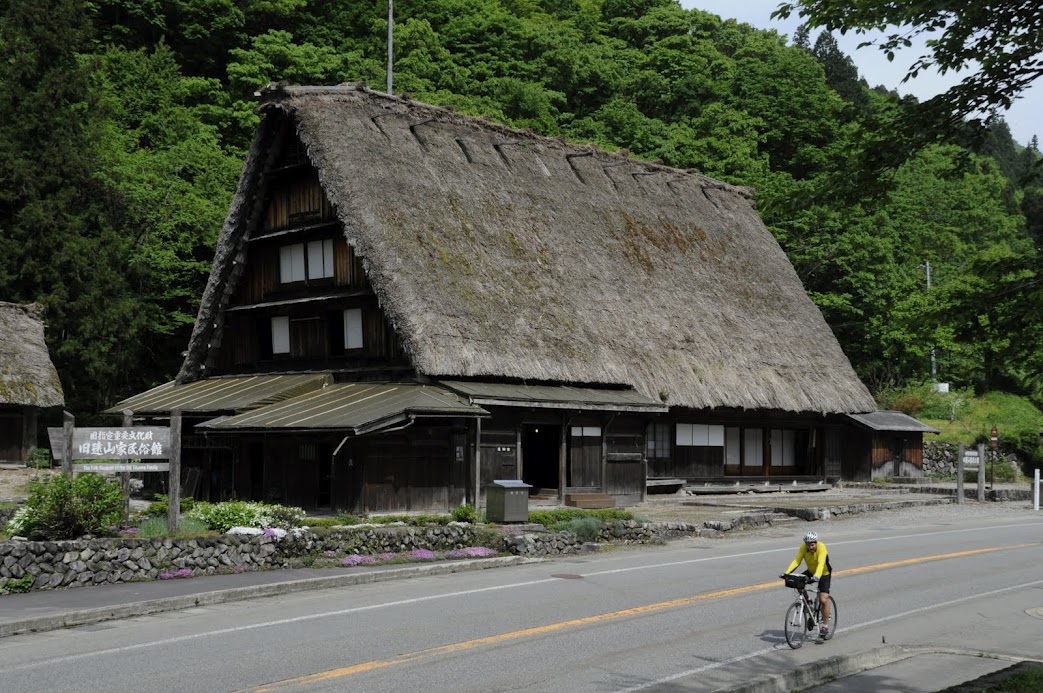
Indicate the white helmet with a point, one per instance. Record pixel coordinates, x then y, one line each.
810 538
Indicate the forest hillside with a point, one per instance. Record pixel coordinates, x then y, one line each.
128 121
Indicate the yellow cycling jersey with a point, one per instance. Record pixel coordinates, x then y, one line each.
817 561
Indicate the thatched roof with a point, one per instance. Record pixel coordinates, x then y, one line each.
499 254
27 376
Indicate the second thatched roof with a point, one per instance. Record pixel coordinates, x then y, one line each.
27 376
499 254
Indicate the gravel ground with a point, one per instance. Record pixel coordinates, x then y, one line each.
14 481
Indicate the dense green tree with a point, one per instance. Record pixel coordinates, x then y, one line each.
130 119
996 47
162 160
56 245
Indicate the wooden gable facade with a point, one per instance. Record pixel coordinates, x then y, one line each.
475 304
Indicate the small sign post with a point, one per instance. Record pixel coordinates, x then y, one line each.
959 474
994 440
1035 490
114 447
981 472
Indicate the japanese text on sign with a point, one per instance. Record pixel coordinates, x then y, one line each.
145 442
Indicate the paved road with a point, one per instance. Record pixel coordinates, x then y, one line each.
694 615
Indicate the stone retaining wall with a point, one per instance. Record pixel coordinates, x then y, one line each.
45 565
84 562
939 459
825 513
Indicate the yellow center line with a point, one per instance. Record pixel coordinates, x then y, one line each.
599 618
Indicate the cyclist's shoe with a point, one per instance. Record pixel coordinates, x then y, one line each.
811 623
824 632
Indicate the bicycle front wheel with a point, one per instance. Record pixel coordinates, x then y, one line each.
796 626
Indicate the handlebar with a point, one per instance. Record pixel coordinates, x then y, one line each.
797 581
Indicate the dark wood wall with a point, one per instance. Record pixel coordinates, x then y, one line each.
11 426
298 213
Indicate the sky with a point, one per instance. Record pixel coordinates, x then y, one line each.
1023 117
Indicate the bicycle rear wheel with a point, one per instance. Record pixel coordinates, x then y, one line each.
796 626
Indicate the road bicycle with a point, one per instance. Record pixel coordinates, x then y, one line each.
804 615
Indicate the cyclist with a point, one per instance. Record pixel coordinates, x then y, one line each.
813 553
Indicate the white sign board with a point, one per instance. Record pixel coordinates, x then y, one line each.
115 443
117 467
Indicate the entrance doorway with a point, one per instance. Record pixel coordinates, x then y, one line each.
540 452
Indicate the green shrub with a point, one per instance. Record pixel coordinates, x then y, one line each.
465 513
223 516
63 508
160 505
489 537
349 519
1000 471
287 516
585 528
323 522
39 458
17 585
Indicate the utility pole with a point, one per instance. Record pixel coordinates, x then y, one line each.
391 26
934 365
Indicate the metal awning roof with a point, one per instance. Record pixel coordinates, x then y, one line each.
892 421
222 394
356 407
555 397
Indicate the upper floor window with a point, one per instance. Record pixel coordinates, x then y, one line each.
303 261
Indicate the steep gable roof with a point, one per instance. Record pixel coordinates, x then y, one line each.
27 376
498 254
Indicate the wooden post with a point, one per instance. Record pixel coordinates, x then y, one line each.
562 451
174 510
68 422
981 472
644 478
477 463
959 474
519 454
128 421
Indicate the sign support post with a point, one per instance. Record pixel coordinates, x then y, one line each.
128 421
981 472
994 439
68 424
174 511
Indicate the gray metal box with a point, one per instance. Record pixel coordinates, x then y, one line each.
507 500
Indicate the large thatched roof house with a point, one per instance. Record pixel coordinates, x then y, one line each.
423 302
28 379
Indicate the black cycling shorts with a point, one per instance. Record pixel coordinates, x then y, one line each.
823 582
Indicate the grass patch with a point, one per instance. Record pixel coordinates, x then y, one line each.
1023 677
155 526
559 518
